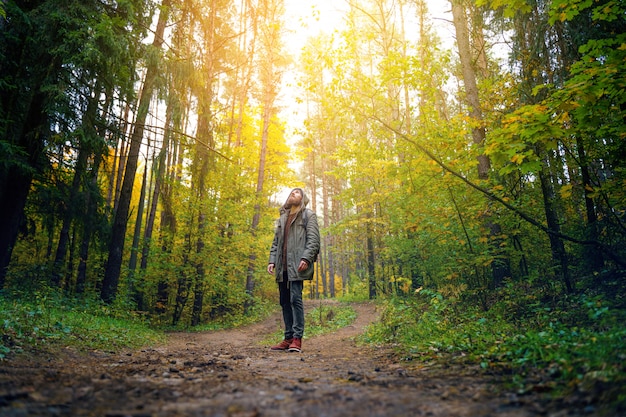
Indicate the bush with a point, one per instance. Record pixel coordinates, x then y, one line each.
31 320
577 343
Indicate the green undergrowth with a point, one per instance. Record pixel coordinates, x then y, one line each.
258 311
30 321
328 318
41 320
321 320
575 343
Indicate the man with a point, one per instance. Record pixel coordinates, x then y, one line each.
294 250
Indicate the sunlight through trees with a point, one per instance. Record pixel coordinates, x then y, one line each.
143 144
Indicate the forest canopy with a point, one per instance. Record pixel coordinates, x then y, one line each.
144 147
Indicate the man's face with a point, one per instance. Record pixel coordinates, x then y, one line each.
295 198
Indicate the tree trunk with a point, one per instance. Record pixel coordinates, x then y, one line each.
132 262
558 248
121 156
593 257
16 181
371 267
328 270
469 81
70 208
198 298
68 217
267 117
91 189
500 265
168 224
120 221
198 291
196 313
88 227
267 29
202 164
182 295
158 181
312 174
11 212
25 127
69 269
134 292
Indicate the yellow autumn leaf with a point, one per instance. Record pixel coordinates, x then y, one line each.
564 117
566 191
517 159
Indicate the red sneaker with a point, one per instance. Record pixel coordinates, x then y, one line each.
296 345
284 345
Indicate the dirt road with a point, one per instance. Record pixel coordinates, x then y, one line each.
230 373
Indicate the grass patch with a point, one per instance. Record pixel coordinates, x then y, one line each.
45 319
577 345
321 320
326 319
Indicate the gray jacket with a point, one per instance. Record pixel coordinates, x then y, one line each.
304 243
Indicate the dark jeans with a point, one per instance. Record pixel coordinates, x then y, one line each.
293 308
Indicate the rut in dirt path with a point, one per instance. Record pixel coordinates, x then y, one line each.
230 373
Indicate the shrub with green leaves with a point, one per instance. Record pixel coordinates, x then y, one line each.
44 318
577 342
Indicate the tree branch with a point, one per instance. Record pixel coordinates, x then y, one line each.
604 248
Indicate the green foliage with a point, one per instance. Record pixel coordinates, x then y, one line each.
431 325
39 319
562 10
577 341
509 7
260 309
328 318
13 157
514 146
357 291
395 214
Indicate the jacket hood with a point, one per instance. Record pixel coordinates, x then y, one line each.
305 199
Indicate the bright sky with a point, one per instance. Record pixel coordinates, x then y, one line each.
305 19
313 16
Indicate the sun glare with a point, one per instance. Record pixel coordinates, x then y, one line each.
305 20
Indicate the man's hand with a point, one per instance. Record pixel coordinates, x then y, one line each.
303 265
270 268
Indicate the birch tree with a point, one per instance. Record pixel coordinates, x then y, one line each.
472 65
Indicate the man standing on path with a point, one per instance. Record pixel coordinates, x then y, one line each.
294 250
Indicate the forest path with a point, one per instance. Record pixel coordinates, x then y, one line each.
231 373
